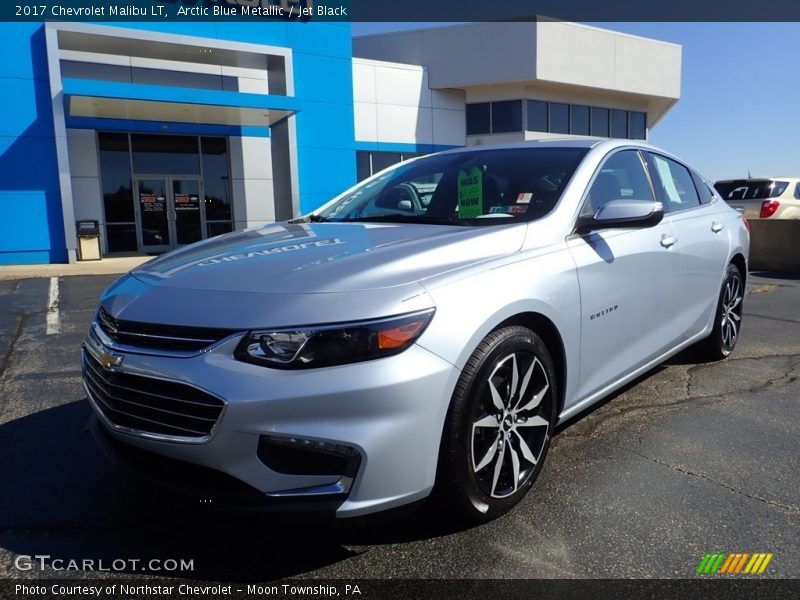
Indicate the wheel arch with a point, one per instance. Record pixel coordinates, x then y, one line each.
547 330
741 264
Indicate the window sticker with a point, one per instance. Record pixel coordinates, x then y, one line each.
666 177
524 197
470 193
512 209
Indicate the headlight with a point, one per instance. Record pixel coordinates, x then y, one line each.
326 345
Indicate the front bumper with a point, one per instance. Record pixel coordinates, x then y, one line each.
389 413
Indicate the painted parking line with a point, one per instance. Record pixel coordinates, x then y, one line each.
53 314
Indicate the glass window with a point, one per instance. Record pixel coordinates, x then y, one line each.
121 238
115 175
362 165
216 178
599 125
797 191
637 125
622 177
559 117
478 118
507 116
750 189
579 119
674 183
501 184
165 154
382 160
218 228
619 124
705 193
537 115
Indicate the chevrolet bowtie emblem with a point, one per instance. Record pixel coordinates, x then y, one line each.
109 360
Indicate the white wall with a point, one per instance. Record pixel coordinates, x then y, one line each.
87 198
600 66
251 181
393 104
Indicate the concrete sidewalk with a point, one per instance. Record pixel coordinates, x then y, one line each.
106 266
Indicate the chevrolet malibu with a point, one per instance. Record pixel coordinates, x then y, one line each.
421 334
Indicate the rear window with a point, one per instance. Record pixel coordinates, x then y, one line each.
750 189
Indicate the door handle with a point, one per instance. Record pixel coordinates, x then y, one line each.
717 227
668 240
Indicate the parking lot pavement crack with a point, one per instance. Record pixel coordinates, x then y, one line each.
4 364
683 471
785 378
771 318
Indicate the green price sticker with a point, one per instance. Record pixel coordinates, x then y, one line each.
470 193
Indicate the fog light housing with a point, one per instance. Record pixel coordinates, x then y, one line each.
295 456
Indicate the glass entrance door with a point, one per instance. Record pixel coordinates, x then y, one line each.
170 212
188 220
153 208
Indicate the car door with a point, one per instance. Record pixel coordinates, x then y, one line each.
702 241
625 278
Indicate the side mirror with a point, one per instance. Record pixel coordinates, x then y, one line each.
618 214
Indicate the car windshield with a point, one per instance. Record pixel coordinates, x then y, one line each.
750 189
463 188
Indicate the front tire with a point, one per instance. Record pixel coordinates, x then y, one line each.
499 425
727 318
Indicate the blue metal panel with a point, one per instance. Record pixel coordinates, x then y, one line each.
402 148
26 108
323 79
323 39
23 51
31 225
28 163
334 163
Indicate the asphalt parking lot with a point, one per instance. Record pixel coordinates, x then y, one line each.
692 458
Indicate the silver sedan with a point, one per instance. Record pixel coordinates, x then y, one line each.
421 334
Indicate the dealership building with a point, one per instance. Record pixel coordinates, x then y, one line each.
169 133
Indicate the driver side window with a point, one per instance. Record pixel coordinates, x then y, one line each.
622 177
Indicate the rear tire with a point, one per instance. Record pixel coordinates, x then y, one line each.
499 425
727 318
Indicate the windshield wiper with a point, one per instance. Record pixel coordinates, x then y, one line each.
310 219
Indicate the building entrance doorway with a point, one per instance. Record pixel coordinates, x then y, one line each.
169 211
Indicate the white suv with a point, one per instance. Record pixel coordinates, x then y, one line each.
765 198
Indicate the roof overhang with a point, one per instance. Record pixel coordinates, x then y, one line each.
116 100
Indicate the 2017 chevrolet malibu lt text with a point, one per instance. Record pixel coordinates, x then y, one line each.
424 332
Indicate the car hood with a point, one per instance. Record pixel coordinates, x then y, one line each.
328 257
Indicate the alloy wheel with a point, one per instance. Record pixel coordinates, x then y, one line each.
511 424
731 311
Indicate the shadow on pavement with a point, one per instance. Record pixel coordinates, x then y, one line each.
64 500
782 275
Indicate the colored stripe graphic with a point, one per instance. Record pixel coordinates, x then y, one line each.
732 559
741 562
733 563
701 568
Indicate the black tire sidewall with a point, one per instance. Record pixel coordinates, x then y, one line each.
721 348
456 456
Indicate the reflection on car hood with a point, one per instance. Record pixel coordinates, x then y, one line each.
328 257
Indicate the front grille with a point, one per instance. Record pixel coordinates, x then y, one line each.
149 405
161 337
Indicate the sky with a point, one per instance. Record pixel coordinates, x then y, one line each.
739 110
